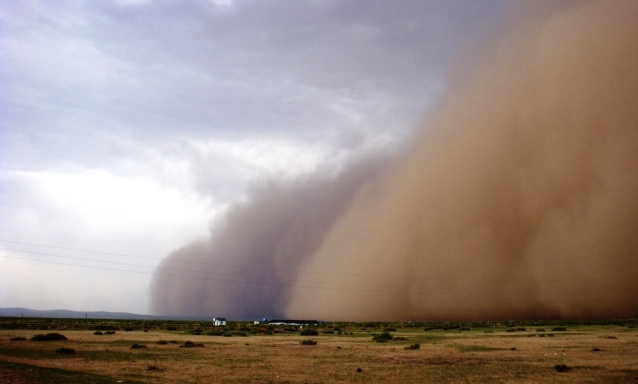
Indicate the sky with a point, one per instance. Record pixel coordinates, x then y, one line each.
128 128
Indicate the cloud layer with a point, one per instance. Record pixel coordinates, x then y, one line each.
516 200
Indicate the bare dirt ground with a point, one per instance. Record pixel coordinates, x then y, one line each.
592 354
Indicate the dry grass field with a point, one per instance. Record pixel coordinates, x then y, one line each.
493 353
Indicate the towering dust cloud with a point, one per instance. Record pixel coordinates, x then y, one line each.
518 200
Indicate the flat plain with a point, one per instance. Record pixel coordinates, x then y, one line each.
102 351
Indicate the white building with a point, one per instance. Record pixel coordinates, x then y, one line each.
219 321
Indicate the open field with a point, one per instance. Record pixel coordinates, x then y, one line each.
599 351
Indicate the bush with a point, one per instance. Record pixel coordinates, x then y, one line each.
413 346
308 342
559 329
109 333
65 351
382 337
464 329
162 342
328 332
309 332
390 329
540 330
49 337
98 333
138 346
190 344
521 330
17 338
171 328
561 368
241 333
215 333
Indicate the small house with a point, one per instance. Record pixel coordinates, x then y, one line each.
219 321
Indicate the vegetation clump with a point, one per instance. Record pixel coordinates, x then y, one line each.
49 337
190 344
162 342
559 329
382 337
309 332
413 346
17 338
65 351
561 368
138 346
98 333
308 342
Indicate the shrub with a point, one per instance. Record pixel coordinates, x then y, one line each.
309 332
138 346
109 333
540 330
215 333
413 346
521 330
308 342
65 351
152 368
17 338
559 329
190 344
241 333
399 338
98 333
382 337
328 332
171 328
561 368
390 329
464 329
49 337
162 342
596 350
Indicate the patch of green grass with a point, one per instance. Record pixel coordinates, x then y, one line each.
18 372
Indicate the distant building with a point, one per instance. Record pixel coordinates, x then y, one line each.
219 321
296 322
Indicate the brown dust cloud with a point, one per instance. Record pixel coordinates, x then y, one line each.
518 198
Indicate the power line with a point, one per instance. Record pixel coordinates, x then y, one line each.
174 269
199 262
261 283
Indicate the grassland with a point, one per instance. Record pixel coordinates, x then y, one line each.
493 352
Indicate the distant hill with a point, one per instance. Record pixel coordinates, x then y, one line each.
66 314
